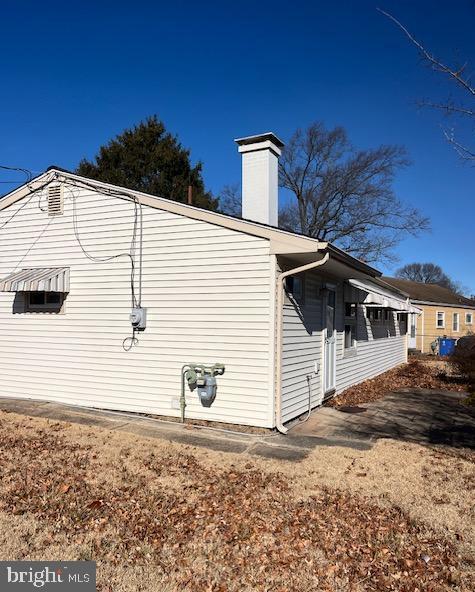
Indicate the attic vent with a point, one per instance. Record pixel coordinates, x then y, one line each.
55 200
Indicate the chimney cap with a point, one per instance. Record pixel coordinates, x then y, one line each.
265 137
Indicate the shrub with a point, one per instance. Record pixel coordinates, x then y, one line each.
463 358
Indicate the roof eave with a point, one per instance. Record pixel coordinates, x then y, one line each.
281 241
449 304
344 257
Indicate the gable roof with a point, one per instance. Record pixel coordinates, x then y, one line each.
281 241
430 293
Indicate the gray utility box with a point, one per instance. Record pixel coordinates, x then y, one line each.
138 318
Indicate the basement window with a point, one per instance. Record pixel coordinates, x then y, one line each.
51 302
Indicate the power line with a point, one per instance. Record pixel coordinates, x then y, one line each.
28 173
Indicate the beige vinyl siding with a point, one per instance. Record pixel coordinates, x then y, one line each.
427 330
302 348
207 292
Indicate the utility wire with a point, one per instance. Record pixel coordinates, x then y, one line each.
137 233
132 340
26 172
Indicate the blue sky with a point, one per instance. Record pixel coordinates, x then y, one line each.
75 74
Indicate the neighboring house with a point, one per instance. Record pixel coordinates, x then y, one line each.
444 313
213 288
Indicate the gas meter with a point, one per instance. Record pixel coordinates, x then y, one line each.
201 377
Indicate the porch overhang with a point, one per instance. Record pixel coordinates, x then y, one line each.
372 295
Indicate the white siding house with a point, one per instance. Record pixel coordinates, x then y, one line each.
208 282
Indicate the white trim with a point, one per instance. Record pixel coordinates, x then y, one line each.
437 312
272 337
456 315
422 332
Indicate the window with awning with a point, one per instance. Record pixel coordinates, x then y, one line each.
37 279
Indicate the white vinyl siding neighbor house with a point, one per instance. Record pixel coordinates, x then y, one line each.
209 284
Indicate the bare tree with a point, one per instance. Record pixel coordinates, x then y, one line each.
463 107
345 195
429 273
230 201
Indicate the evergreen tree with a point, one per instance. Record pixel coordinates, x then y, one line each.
149 159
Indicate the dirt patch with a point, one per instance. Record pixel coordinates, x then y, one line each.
417 373
159 516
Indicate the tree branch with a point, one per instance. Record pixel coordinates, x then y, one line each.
436 63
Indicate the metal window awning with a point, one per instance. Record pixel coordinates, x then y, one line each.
37 279
372 295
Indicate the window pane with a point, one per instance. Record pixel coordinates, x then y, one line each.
53 297
294 286
330 313
348 341
350 309
455 325
37 298
350 335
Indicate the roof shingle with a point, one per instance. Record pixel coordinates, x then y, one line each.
429 292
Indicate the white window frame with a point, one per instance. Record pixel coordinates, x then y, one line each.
456 315
469 315
440 312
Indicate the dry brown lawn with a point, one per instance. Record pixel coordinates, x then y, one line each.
168 517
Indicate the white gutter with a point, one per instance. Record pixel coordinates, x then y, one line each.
279 335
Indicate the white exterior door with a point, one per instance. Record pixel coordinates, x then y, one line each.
412 331
329 352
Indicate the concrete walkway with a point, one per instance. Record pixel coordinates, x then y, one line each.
413 415
271 445
426 417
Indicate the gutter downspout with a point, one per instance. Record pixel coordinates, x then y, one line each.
280 333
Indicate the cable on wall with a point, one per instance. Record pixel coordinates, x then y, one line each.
26 202
137 235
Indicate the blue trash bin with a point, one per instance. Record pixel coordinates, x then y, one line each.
446 346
